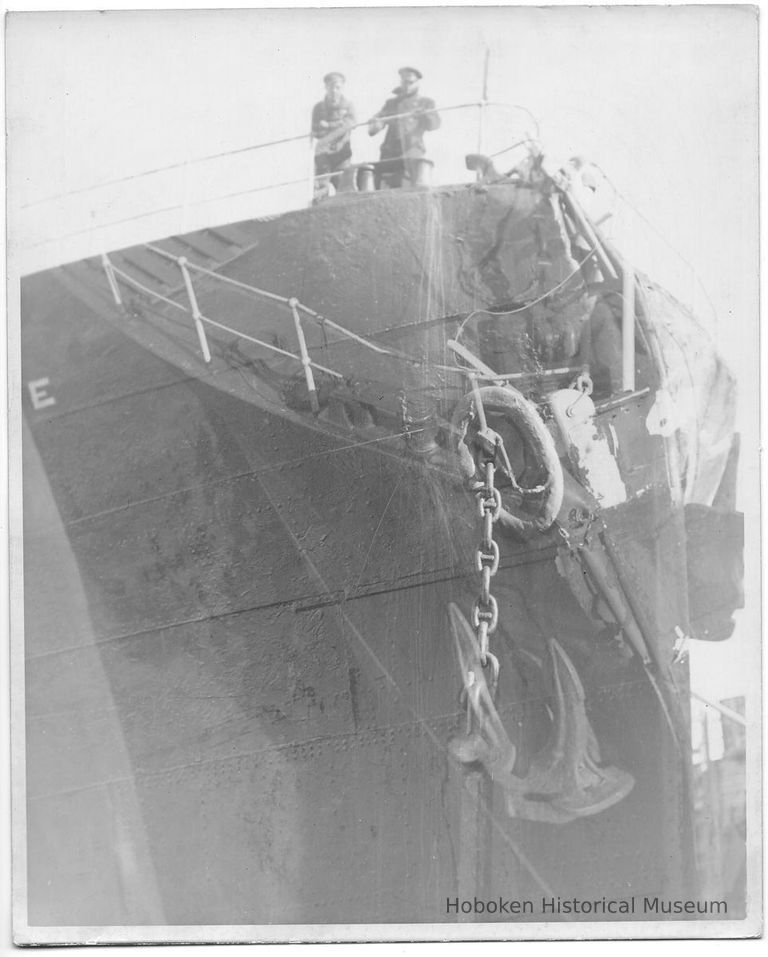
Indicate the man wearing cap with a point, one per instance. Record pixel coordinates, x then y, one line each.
332 121
403 144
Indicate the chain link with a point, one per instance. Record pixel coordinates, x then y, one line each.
485 611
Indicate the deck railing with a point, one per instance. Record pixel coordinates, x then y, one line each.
265 178
277 175
476 132
471 367
527 136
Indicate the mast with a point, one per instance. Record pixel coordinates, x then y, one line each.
482 104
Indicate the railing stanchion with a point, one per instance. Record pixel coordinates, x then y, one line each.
114 288
305 358
196 314
311 171
480 134
482 105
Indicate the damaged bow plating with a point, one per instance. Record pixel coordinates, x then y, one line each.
566 779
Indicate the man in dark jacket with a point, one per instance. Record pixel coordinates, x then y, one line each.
332 121
403 144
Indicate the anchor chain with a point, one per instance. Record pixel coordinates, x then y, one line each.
565 778
485 610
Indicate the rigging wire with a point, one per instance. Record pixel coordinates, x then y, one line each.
618 193
167 209
200 202
259 146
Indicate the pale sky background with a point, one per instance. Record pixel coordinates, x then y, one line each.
663 99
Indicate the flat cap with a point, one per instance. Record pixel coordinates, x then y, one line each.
332 76
409 69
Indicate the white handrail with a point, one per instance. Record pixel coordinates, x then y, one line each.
468 356
220 325
723 709
196 315
106 263
272 348
283 300
305 359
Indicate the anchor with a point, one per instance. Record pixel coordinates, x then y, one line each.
566 779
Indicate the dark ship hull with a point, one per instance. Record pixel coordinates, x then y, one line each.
240 670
